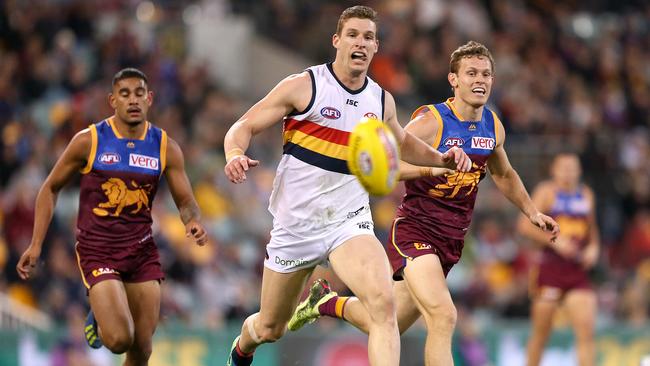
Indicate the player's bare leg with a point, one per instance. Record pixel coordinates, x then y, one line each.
407 312
110 305
144 302
352 310
581 305
362 265
543 309
280 295
434 301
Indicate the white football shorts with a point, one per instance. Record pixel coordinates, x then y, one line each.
288 252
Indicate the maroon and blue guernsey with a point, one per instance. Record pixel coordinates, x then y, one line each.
118 186
571 210
445 203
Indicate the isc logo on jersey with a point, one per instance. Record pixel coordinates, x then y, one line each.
109 158
454 141
485 143
143 161
373 156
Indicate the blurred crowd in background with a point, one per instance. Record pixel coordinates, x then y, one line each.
567 76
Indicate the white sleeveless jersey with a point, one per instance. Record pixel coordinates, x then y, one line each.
313 190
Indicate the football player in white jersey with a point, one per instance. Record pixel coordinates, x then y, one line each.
428 232
314 221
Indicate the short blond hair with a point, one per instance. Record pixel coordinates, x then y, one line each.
358 11
469 49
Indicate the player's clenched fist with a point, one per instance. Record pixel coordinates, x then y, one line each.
237 166
456 159
196 231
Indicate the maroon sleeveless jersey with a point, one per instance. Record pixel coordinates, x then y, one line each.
118 186
435 212
446 203
571 210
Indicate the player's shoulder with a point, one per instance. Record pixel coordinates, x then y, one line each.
172 144
427 111
82 142
499 129
495 116
491 111
545 188
84 136
587 191
301 80
90 134
296 91
153 128
388 98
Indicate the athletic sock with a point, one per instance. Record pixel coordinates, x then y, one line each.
334 307
241 358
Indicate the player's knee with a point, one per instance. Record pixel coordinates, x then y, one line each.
381 306
141 350
118 343
584 331
441 316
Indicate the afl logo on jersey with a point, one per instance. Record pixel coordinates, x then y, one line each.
330 113
109 158
371 115
454 141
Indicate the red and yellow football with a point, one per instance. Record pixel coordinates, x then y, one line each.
373 156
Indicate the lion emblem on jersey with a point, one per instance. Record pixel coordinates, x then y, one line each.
455 182
120 196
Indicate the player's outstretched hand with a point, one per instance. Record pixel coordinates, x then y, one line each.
546 223
237 167
28 261
456 159
196 231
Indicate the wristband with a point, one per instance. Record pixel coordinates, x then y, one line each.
426 172
233 153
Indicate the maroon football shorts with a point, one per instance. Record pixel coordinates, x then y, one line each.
552 279
139 262
410 239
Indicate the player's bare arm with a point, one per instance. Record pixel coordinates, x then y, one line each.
508 182
592 251
73 159
291 94
425 127
542 197
417 152
181 190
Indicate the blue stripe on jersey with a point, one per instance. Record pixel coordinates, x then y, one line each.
316 159
474 137
570 204
128 155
